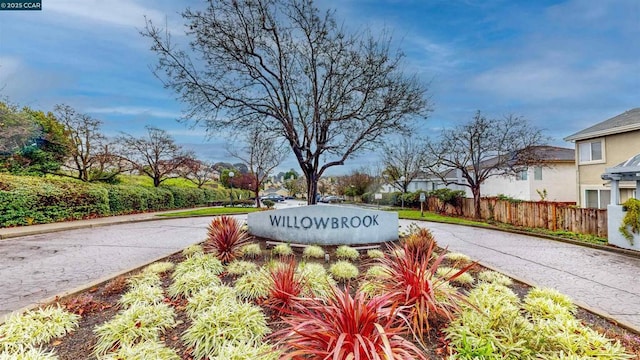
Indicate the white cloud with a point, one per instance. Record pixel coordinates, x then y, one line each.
124 13
135 110
544 80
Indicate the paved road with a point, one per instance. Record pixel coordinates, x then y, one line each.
37 267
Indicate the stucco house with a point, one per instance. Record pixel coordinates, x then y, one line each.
554 178
602 146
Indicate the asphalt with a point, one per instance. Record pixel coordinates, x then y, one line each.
41 262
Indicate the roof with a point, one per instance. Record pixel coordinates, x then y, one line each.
627 121
545 153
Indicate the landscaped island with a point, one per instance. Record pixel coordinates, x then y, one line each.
234 298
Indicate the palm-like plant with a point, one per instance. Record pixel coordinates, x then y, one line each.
345 327
413 285
286 285
225 239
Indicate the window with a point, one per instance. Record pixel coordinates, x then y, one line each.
537 173
591 151
598 199
522 174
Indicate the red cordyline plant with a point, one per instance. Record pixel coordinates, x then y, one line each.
286 286
225 238
343 327
424 298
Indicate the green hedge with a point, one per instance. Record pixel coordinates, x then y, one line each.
28 200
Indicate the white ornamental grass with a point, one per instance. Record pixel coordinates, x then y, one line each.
29 353
135 324
241 267
148 349
344 252
190 283
142 294
235 323
313 252
494 277
211 296
343 271
254 284
22 331
159 267
198 263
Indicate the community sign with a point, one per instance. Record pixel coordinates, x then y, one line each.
325 225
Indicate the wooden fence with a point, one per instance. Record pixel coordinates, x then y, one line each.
547 215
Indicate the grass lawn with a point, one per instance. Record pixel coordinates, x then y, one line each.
212 211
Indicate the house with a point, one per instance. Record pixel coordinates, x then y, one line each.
602 146
554 178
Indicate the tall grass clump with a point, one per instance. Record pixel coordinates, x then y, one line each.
343 270
345 327
313 252
344 252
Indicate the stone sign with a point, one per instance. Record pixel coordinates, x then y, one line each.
325 225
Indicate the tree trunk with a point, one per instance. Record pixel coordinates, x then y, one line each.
156 181
476 201
312 188
256 191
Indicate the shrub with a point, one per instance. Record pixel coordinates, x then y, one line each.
268 203
313 252
159 267
241 267
241 350
496 324
343 270
196 263
282 249
148 349
190 283
413 282
375 254
210 296
220 325
225 238
494 277
445 272
142 294
251 251
286 285
35 327
136 324
253 285
344 252
345 327
317 282
195 249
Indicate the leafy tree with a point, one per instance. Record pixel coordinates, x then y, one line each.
403 162
483 148
294 186
261 154
284 64
31 142
155 155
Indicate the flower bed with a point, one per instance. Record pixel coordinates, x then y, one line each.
262 305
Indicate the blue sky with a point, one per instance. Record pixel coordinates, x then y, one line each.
563 65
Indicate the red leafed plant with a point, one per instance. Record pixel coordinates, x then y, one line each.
419 242
424 298
286 286
225 238
343 327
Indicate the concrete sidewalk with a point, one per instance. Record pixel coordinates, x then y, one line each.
42 261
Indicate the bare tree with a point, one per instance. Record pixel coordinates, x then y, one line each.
198 172
483 148
283 63
356 183
91 155
403 162
155 155
261 154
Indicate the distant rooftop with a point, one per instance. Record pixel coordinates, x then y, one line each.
627 121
